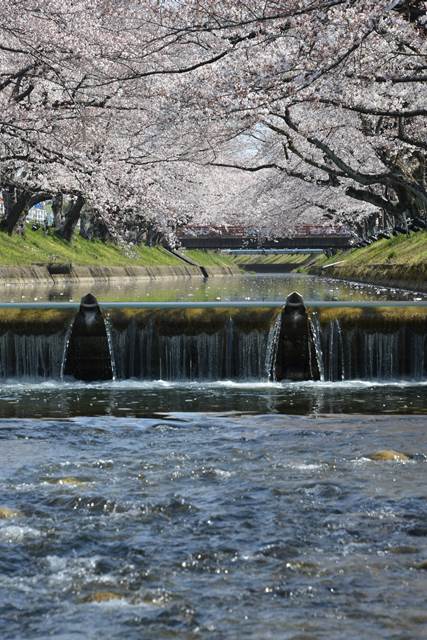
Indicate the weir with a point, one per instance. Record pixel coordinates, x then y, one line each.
214 341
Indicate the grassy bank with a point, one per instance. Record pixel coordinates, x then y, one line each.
209 258
272 259
399 259
37 248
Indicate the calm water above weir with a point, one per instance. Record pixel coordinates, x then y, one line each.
245 287
141 508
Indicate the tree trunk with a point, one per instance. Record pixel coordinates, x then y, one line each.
70 218
154 236
57 206
17 203
93 227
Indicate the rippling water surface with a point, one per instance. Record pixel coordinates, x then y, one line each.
212 525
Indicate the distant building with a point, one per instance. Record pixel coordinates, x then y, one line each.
41 213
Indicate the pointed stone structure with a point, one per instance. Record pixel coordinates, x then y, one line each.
296 354
88 355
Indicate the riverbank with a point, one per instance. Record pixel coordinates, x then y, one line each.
400 261
43 259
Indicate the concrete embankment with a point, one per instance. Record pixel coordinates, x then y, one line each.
67 274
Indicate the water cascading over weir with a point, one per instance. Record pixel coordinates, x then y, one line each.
207 341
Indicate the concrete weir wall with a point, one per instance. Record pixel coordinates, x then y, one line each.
181 342
48 275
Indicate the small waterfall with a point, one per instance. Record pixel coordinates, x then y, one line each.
316 335
107 322
340 348
272 344
141 352
229 347
65 349
334 351
356 352
212 345
419 356
31 356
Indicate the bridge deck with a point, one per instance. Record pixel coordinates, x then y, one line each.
238 242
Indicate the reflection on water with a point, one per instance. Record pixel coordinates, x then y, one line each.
245 287
205 526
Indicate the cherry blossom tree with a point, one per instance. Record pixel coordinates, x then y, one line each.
127 112
342 89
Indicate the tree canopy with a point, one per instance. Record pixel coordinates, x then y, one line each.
143 116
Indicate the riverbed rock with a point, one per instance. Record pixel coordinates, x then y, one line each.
102 596
6 513
422 565
403 549
67 481
388 455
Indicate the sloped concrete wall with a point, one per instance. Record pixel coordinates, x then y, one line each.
39 274
24 276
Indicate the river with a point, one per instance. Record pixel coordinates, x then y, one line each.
244 287
214 509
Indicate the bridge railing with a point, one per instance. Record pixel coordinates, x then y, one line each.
223 232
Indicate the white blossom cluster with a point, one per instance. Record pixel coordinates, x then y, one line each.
153 114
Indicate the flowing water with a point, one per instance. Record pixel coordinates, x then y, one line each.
204 508
199 525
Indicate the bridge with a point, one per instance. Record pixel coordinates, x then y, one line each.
303 237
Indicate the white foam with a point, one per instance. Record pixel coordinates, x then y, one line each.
64 571
14 533
221 473
130 384
307 466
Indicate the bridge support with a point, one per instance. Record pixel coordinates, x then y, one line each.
88 354
296 354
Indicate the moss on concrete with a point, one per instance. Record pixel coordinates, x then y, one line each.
193 321
35 321
382 319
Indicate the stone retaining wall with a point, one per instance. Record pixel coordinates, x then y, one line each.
40 274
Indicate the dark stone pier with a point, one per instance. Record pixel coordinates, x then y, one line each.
88 354
296 353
